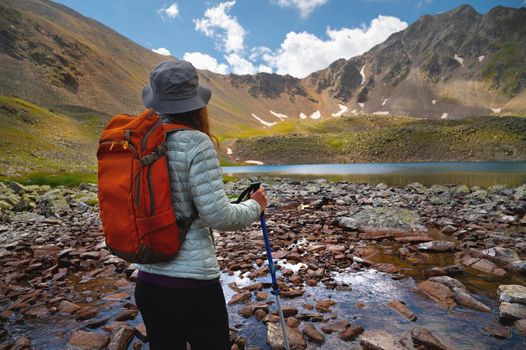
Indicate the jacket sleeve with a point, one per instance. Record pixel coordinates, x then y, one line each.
208 193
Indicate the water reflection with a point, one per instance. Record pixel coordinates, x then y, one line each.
399 174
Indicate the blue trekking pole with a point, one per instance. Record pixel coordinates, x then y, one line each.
275 289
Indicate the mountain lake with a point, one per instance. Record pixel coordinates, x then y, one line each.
397 174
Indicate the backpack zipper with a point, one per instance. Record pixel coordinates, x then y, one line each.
125 145
150 188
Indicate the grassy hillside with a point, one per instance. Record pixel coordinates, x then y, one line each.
391 139
36 139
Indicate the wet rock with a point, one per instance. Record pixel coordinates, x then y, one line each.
424 339
293 293
464 298
324 305
384 220
313 334
88 340
262 296
448 281
521 326
240 297
292 322
386 267
121 338
379 340
437 246
512 293
68 307
86 313
140 332
511 311
275 337
288 311
488 267
38 312
498 331
500 254
400 308
518 266
335 326
438 292
126 315
350 333
23 343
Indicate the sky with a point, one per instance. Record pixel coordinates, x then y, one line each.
295 37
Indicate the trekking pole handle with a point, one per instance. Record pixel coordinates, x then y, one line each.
247 192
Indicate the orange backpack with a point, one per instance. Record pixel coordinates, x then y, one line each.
135 198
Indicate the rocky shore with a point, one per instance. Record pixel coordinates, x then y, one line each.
430 256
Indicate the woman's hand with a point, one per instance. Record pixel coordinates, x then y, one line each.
259 196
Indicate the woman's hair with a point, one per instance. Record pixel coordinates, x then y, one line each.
196 119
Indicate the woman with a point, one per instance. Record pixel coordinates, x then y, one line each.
181 300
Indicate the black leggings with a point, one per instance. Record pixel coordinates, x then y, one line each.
174 316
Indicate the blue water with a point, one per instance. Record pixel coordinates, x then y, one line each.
466 173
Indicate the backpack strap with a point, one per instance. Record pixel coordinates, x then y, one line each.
162 148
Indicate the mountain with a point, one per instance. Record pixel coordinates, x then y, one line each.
452 64
58 67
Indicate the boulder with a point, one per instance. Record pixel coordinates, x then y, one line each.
240 297
275 337
520 193
424 339
438 292
335 326
52 202
502 255
120 338
379 340
83 340
400 308
511 311
448 281
313 334
512 293
384 221
521 327
464 298
350 333
436 246
498 331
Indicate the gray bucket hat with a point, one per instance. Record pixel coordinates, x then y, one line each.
174 88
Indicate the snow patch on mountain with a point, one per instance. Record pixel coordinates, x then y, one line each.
315 115
256 162
496 110
481 58
362 73
279 115
303 115
229 151
381 113
342 110
361 104
262 121
459 59
433 101
384 101
444 116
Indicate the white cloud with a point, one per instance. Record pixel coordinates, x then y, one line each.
218 24
239 64
264 69
303 53
162 51
171 11
305 7
204 61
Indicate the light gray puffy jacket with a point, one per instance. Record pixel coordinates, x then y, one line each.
196 182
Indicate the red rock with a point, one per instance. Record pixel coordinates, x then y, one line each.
120 338
126 315
86 313
385 267
335 326
140 332
240 297
292 322
262 296
88 340
313 334
68 307
350 333
292 293
438 292
401 309
117 296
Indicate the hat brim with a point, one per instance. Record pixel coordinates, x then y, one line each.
165 106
